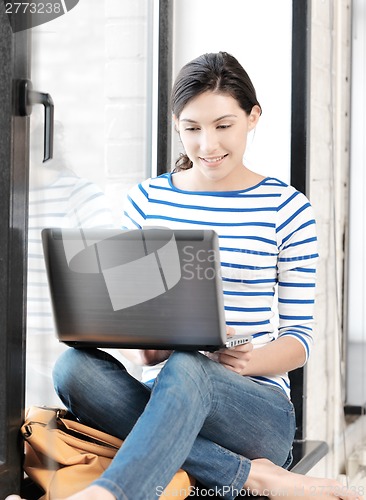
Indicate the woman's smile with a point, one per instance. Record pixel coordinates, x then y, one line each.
213 161
213 129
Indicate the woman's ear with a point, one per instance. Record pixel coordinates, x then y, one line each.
176 123
254 116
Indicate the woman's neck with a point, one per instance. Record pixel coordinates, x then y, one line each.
189 180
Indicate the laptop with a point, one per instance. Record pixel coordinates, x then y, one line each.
152 288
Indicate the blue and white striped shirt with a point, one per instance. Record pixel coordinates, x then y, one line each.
268 252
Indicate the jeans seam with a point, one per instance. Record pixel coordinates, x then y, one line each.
112 488
238 482
214 402
208 379
283 395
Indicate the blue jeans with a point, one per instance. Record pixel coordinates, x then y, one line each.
198 416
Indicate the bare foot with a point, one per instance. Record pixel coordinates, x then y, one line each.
90 493
268 479
93 493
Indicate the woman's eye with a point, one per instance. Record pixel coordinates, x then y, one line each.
224 126
191 129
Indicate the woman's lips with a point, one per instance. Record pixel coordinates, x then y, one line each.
213 161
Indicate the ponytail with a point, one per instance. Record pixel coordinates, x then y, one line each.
183 163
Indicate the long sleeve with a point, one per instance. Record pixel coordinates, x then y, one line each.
297 243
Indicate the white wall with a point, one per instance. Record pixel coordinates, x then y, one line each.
258 33
357 262
330 70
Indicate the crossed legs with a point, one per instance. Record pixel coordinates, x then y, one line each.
199 416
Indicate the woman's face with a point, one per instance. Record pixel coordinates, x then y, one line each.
213 129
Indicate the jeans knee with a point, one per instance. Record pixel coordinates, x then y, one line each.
182 360
188 365
68 370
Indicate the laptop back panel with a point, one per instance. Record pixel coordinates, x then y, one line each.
152 288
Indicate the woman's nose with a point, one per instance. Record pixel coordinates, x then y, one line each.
208 142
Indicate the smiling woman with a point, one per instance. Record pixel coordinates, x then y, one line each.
213 128
242 110
178 416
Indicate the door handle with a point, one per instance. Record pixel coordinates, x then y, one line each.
26 98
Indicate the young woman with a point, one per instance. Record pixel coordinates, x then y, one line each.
226 419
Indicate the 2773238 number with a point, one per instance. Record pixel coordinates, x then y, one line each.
33 8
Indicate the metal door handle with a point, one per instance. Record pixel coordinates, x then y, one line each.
26 98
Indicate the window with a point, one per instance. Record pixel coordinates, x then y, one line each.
100 63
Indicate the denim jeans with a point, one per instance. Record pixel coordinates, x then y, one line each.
198 416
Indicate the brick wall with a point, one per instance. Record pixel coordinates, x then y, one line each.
93 61
125 95
68 62
329 184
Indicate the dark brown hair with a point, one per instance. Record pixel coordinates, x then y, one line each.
215 72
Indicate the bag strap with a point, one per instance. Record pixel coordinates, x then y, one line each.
89 433
55 418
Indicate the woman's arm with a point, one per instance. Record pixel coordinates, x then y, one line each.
280 356
145 356
296 268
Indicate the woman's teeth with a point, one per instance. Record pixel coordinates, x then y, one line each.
213 160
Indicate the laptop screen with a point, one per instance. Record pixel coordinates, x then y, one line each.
150 288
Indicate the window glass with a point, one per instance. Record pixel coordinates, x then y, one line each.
93 61
356 345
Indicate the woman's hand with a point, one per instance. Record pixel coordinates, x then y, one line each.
236 358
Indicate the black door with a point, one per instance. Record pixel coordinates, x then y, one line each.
14 146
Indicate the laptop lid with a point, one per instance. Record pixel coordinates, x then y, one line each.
150 288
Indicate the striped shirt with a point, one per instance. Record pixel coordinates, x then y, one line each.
268 253
68 202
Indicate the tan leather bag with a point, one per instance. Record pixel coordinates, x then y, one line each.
63 456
